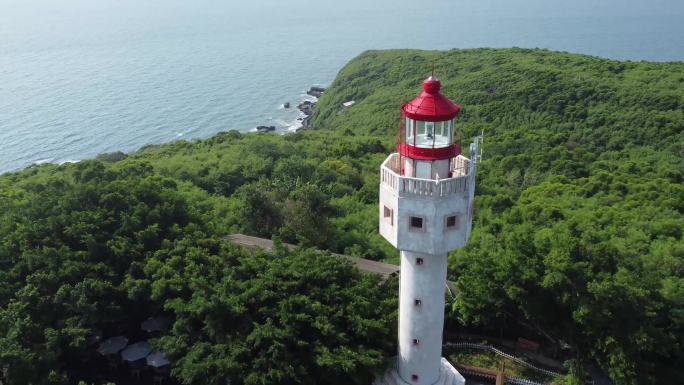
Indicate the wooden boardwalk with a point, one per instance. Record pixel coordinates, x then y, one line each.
384 269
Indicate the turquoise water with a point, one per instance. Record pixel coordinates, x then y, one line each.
82 77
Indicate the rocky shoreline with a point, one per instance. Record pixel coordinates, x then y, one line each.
307 107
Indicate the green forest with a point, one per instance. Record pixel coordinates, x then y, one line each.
576 242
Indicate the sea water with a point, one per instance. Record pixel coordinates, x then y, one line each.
83 77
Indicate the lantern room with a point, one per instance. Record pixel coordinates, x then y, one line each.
428 132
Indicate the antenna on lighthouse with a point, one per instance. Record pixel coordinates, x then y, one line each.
433 70
481 142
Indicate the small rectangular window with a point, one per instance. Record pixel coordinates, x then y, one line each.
414 377
416 223
451 222
388 214
416 341
418 302
419 261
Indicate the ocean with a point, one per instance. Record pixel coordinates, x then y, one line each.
83 77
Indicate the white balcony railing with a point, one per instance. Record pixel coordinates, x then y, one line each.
390 175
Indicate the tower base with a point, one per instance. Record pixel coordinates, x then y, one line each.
448 375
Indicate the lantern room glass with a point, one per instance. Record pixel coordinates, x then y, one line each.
429 134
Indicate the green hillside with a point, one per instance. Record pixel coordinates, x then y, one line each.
578 225
577 240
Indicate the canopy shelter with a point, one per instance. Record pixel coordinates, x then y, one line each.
136 351
157 360
154 324
112 345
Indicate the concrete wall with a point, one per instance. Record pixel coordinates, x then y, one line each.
424 251
423 322
426 169
435 237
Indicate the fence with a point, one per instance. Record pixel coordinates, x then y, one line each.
508 380
470 345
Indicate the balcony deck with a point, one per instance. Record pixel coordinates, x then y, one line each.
390 176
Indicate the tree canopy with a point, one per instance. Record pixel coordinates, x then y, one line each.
94 249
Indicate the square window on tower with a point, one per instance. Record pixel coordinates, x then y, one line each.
416 223
388 215
451 222
414 377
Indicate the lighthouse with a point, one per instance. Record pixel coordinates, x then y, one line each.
426 207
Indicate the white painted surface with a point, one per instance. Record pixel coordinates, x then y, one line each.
440 169
448 375
423 169
425 322
435 238
408 166
432 196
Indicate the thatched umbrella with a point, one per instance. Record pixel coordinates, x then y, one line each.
136 351
157 360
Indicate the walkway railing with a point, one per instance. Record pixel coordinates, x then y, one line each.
470 345
404 185
463 369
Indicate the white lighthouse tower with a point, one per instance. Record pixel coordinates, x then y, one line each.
426 206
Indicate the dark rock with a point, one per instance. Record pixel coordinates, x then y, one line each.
111 157
286 105
306 107
265 128
316 91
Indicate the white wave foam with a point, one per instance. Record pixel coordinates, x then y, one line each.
296 124
307 98
68 161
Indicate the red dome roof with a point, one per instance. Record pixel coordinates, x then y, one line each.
431 105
